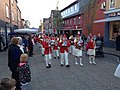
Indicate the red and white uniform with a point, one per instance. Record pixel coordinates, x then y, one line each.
78 50
47 52
64 45
91 48
55 49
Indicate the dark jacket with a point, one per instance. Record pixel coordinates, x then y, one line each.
24 73
118 39
14 53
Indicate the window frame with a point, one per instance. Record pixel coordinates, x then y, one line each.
111 6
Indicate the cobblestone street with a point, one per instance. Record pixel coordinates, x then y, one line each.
89 77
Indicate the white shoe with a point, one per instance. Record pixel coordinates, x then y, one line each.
94 63
81 64
90 62
76 63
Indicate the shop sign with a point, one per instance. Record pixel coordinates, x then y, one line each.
114 14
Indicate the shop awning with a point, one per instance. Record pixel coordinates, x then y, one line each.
108 19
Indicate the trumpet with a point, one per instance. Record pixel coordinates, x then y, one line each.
61 40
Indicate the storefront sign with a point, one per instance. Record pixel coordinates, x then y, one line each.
114 14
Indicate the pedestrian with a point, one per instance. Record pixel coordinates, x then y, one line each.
25 43
20 44
91 51
14 53
64 44
30 46
118 42
78 42
7 84
24 70
47 52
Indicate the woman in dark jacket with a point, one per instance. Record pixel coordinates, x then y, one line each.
118 42
14 53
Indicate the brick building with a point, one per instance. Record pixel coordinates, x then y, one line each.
10 18
72 19
112 22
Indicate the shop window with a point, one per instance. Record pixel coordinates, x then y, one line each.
115 28
112 4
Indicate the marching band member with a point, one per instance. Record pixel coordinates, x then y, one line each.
71 48
91 51
78 50
64 44
55 49
47 52
42 40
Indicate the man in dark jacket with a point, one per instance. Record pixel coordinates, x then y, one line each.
118 42
14 53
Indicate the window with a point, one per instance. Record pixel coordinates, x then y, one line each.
75 7
79 19
112 4
13 18
12 1
114 29
7 11
70 21
68 10
103 5
67 22
74 21
72 9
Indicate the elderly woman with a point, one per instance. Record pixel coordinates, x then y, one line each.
20 44
14 53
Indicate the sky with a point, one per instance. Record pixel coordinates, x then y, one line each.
35 10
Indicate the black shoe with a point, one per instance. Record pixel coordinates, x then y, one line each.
67 65
62 65
49 65
54 57
43 55
58 57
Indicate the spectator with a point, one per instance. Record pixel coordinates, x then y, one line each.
24 70
20 44
14 53
7 84
118 42
30 46
99 38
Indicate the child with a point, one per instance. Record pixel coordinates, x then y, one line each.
24 70
91 51
7 84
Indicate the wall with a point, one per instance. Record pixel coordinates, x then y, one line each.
3 10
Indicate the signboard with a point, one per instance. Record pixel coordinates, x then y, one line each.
114 14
